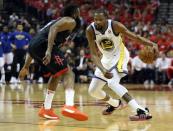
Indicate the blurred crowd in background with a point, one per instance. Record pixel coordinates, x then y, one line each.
17 27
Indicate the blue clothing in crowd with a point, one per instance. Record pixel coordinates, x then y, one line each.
20 39
1 50
6 42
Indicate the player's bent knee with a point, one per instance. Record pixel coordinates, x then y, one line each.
118 88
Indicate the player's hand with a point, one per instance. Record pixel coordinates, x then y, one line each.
47 58
24 71
107 74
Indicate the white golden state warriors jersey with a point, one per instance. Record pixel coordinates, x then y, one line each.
114 53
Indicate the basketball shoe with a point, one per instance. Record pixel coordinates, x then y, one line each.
73 112
109 109
48 114
141 115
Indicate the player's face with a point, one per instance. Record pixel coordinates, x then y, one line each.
100 20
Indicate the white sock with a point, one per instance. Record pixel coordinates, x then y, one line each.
133 104
113 102
69 97
32 76
48 99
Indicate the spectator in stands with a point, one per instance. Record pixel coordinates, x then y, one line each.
20 40
80 66
13 17
2 22
149 75
162 65
24 22
1 59
51 11
138 70
8 55
90 68
170 74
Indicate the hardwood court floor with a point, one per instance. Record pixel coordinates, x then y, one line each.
19 106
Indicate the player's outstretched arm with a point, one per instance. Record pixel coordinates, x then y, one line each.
120 28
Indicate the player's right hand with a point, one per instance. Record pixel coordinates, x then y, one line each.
47 58
24 71
107 74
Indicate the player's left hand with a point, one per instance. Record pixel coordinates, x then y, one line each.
107 74
47 58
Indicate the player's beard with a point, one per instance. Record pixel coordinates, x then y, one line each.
98 27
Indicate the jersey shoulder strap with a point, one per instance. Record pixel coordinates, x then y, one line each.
111 27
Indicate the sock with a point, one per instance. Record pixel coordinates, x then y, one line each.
69 97
32 76
113 102
133 104
48 99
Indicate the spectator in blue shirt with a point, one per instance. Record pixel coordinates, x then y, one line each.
20 40
7 53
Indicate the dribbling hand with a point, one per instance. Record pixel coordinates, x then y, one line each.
47 58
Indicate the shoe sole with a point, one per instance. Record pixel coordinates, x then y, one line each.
48 117
75 116
136 118
119 108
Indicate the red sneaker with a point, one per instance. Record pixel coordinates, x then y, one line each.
48 114
141 115
71 111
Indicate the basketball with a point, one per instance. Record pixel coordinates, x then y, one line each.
148 55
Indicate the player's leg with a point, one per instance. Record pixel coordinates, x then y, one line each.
8 65
46 111
120 90
37 53
69 109
96 90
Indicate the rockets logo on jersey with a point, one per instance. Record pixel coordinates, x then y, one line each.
106 44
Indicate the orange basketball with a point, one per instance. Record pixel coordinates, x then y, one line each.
148 55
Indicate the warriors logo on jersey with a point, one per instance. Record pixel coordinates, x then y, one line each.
106 44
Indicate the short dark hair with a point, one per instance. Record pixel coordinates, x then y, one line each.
102 10
70 10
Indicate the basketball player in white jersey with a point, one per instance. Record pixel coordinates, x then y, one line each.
105 34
